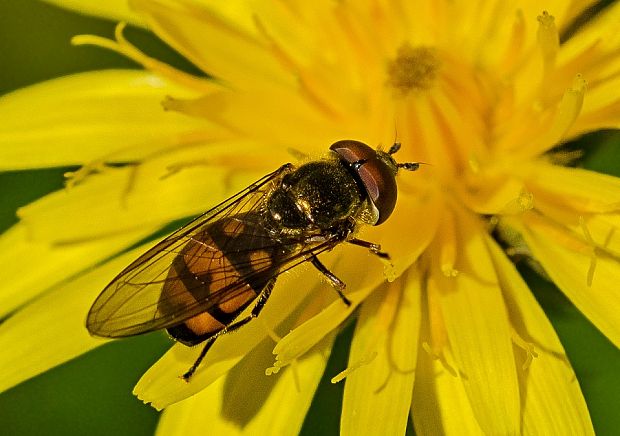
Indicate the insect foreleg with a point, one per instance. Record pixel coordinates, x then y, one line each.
374 248
337 284
260 303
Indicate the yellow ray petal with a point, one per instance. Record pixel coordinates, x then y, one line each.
377 395
582 190
121 45
493 193
602 228
218 46
239 13
30 267
601 109
116 10
479 333
603 29
255 113
440 405
362 273
164 188
559 124
568 260
410 228
51 330
553 402
113 115
247 402
162 386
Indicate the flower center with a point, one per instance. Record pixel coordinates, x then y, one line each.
414 69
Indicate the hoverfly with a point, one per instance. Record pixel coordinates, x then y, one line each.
197 281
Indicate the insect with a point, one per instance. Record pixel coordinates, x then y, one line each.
196 282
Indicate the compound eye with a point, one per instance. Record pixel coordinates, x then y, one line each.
374 174
353 151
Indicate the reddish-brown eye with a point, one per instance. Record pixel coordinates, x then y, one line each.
374 173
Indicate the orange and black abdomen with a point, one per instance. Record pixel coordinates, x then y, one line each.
223 268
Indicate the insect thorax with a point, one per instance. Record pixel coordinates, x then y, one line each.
317 195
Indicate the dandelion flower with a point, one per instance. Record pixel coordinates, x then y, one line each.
485 94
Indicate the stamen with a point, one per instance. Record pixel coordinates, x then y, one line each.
307 86
175 168
565 115
273 369
593 253
523 203
74 178
528 347
570 106
548 40
355 366
414 69
517 38
125 48
439 356
447 248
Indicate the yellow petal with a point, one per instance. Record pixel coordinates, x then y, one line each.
377 394
410 228
217 46
559 120
51 330
247 402
600 229
553 402
601 109
440 405
164 188
593 52
361 272
568 260
493 194
115 10
31 267
579 189
573 10
113 116
600 31
478 330
254 113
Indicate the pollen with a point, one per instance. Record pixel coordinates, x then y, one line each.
413 69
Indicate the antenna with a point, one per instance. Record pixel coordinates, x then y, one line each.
407 166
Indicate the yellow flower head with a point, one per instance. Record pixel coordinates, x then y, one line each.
484 94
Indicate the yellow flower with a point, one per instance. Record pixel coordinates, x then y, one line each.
483 94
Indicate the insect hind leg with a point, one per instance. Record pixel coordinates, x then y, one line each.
256 310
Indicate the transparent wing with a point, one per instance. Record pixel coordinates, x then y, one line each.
202 265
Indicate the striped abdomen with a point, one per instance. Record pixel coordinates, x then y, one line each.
224 267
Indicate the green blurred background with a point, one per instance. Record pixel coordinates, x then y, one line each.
92 394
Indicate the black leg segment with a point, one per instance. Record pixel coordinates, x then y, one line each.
337 284
374 248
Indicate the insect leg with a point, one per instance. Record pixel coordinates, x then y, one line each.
190 372
374 248
333 280
260 303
